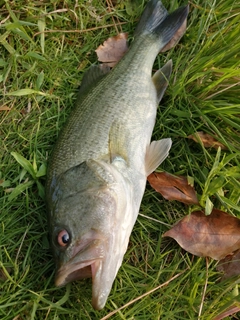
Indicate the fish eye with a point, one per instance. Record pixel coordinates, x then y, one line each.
63 238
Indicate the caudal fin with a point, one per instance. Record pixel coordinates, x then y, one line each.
158 24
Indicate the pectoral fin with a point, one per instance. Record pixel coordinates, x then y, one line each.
157 151
161 79
117 143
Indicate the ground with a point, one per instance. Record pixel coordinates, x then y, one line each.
45 49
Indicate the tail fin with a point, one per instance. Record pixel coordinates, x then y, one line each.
156 22
153 14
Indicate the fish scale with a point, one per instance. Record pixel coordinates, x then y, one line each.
98 169
86 124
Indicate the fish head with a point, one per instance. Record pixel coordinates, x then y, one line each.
90 220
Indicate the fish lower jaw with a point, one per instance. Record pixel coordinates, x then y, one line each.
75 272
89 269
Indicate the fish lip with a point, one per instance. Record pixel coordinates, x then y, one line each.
74 273
79 268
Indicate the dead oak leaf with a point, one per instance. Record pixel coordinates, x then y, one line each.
173 187
215 236
230 265
207 140
113 49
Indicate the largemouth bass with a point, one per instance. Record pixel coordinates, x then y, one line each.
98 168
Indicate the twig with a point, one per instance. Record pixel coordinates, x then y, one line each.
143 295
110 6
204 290
55 11
220 91
155 220
20 247
78 31
4 20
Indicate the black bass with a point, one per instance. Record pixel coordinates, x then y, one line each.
98 168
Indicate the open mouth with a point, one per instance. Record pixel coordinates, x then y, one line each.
84 264
77 273
88 261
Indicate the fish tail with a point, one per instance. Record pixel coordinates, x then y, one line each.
157 23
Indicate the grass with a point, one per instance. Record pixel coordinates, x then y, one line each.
39 77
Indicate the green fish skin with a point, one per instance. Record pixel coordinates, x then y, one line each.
98 169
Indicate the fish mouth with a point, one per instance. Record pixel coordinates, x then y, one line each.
84 263
75 272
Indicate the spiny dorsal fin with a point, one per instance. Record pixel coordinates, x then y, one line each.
161 79
157 151
92 76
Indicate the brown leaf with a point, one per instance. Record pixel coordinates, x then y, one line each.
3 275
113 49
173 187
177 36
230 265
207 140
215 236
229 312
4 108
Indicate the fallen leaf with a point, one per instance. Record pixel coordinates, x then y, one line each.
215 236
173 187
4 108
113 49
177 36
230 265
229 312
3 275
207 140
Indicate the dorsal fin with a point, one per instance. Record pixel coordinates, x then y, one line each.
92 76
161 79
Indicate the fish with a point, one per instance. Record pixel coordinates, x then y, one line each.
98 168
